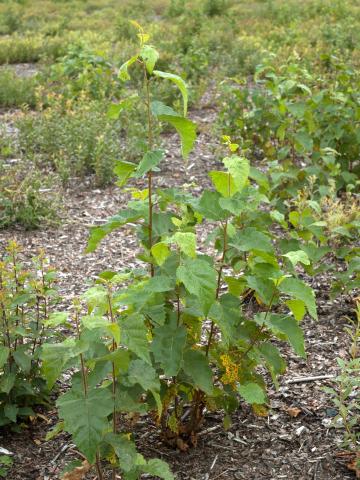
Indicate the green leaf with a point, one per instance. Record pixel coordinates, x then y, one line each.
96 297
125 450
149 161
186 242
252 393
113 223
11 411
55 356
4 354
299 256
274 362
298 308
57 318
123 73
160 251
116 108
303 142
146 376
239 168
124 170
263 287
180 84
158 468
22 358
185 128
134 336
7 382
223 183
251 239
300 291
200 279
168 347
85 417
209 206
289 327
150 57
196 366
143 374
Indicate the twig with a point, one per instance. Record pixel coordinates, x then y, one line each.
309 379
208 430
207 475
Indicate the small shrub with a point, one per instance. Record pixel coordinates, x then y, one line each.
345 395
69 140
22 199
16 91
27 296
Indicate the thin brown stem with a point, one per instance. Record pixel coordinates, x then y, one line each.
113 348
149 174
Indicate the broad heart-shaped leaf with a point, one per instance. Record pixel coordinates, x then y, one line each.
186 241
124 170
96 296
160 251
134 212
185 128
180 84
209 206
252 393
239 169
168 347
150 57
54 357
4 353
149 161
286 325
85 417
134 335
125 450
145 375
300 291
273 360
200 279
223 183
123 70
158 468
297 256
251 239
196 366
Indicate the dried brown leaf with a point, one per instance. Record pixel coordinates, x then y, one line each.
78 473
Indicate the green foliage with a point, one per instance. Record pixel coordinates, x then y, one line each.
74 142
24 198
162 316
27 297
5 463
16 91
344 394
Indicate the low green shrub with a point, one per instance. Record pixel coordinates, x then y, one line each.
344 395
27 296
29 49
75 140
23 200
16 91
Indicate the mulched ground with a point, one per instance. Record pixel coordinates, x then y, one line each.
294 442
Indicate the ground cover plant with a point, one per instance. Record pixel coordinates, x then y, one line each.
219 175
